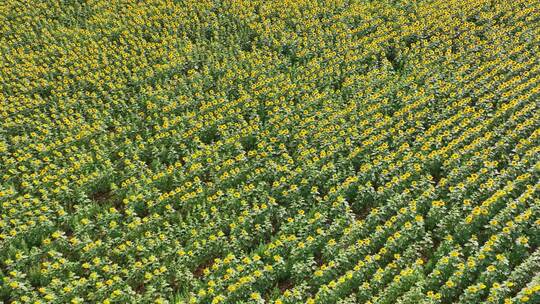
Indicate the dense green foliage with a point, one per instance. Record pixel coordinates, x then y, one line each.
249 151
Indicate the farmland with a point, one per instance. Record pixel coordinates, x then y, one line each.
249 151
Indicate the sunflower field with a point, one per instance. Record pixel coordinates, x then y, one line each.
276 151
